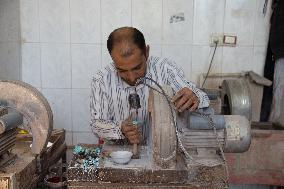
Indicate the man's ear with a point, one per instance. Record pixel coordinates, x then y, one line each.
147 51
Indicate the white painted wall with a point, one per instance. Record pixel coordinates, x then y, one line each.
64 44
9 40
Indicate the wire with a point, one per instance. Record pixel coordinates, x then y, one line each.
210 64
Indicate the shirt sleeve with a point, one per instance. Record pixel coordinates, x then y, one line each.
101 123
177 81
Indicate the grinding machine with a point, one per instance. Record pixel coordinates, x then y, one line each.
22 162
184 150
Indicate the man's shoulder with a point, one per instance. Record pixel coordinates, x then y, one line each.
105 73
160 62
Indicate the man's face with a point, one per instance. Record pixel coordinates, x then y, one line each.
132 67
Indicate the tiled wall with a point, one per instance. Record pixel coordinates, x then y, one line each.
64 43
9 40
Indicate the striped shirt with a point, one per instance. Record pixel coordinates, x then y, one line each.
109 95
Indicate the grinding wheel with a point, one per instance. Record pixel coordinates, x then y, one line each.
236 98
162 130
33 106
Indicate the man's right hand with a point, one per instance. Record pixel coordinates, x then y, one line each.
130 131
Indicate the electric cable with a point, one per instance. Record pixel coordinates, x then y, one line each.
216 43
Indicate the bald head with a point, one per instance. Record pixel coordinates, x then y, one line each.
127 38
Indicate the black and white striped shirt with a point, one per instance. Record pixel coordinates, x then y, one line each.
109 95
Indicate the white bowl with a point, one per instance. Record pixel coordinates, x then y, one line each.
121 157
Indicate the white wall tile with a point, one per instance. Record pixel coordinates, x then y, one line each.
237 59
54 21
29 20
69 138
262 23
115 14
81 110
259 55
239 20
147 17
86 60
85 21
31 72
55 66
155 50
10 60
177 31
9 21
201 57
181 55
60 102
106 58
84 137
208 19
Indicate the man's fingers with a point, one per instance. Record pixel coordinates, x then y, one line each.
186 105
185 99
134 139
126 128
177 95
132 133
180 102
194 107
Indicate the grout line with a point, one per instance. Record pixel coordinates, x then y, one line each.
60 43
101 37
39 39
192 30
162 25
131 16
56 88
254 21
20 42
70 59
222 57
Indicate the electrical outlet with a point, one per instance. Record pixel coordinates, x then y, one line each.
216 38
222 40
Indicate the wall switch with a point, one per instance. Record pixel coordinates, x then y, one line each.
230 40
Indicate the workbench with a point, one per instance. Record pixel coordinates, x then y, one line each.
263 163
139 173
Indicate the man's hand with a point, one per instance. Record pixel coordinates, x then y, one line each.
130 131
185 99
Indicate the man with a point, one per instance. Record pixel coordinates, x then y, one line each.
111 87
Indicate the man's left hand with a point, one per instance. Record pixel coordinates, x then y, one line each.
185 99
